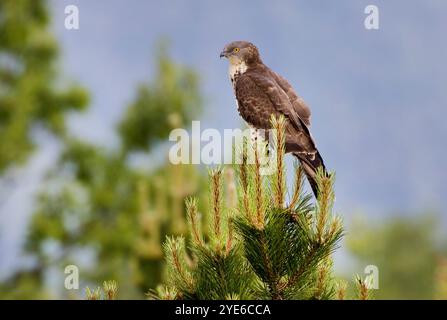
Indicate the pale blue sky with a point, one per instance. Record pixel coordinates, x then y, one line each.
378 98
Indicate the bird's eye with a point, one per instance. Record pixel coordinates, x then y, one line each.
236 50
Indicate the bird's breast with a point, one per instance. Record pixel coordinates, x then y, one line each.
235 70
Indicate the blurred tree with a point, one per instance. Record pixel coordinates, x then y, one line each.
97 204
96 210
30 92
441 279
170 101
405 250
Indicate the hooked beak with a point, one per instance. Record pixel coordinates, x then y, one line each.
223 54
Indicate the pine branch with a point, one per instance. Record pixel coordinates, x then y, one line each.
362 288
341 287
193 221
93 294
109 291
243 180
298 274
179 274
279 184
163 293
259 249
272 277
325 202
216 202
258 188
299 181
229 244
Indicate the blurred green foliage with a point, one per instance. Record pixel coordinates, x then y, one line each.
30 90
97 203
148 119
407 252
96 210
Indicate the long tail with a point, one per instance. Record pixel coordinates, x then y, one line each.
310 165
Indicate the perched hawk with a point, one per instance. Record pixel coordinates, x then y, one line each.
261 92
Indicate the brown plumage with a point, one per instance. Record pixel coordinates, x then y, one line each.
261 92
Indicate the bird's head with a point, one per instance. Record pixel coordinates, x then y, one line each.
238 52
